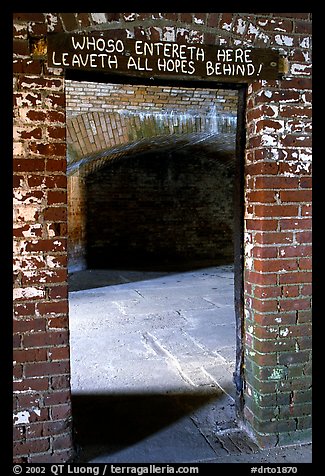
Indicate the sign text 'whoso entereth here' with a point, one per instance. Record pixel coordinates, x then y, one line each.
101 52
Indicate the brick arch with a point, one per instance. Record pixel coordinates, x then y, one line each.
222 146
90 133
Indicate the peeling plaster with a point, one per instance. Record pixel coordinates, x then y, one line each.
51 20
131 17
198 21
268 140
21 417
241 26
27 293
283 40
169 34
98 17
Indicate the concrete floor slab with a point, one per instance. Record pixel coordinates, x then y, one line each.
152 357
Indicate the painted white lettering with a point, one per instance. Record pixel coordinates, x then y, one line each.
53 60
90 42
64 60
76 44
75 60
250 69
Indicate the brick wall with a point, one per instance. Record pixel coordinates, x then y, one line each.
85 96
176 210
277 220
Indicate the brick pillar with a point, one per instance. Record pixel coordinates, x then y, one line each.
278 262
42 410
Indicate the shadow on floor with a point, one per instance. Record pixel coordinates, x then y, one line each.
111 423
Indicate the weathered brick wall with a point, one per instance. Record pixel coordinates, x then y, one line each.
85 96
42 426
176 210
277 285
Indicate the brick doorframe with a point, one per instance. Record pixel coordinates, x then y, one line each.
277 225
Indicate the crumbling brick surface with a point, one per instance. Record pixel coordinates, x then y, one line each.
277 222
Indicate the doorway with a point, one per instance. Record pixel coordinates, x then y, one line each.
140 315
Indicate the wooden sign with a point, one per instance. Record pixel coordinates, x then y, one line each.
100 51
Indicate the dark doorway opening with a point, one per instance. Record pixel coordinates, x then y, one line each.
173 254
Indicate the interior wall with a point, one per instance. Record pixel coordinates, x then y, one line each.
167 209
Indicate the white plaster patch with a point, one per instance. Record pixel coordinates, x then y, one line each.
226 26
305 42
129 33
256 31
262 22
198 21
284 332
268 94
17 149
169 34
21 417
268 140
278 319
51 262
98 17
51 21
298 68
241 25
283 40
27 293
131 17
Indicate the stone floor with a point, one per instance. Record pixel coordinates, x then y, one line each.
152 357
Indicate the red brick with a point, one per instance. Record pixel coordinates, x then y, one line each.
51 149
57 398
61 412
56 165
62 442
266 225
265 252
276 182
261 278
56 100
274 238
298 277
56 196
46 368
27 66
46 339
276 210
58 292
32 446
266 292
29 325
29 165
30 355
294 304
46 308
268 305
295 223
60 353
31 384
275 265
56 132
260 196
296 196
27 309
55 214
